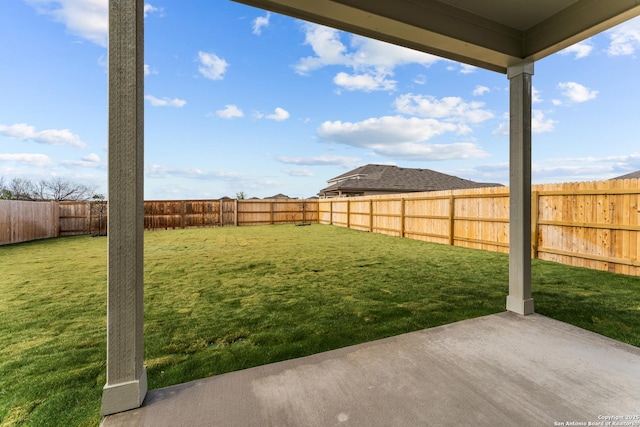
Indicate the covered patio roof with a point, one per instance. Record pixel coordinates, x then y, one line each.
506 36
493 34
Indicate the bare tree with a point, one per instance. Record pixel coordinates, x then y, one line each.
99 212
21 189
241 195
60 189
5 194
57 189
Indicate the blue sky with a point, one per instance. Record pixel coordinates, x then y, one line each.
238 99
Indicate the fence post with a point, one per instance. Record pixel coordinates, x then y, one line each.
535 228
55 215
89 214
271 212
452 228
370 216
330 212
183 213
402 217
348 213
235 213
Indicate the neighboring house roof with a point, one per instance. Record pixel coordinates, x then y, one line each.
279 196
631 175
386 178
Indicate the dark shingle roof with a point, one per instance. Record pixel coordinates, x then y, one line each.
631 175
393 178
278 196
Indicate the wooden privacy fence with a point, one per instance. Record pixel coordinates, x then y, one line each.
588 224
91 217
24 221
82 218
227 212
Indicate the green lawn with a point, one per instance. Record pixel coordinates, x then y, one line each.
218 300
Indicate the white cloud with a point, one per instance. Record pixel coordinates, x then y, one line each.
467 69
492 172
88 19
213 180
580 50
150 9
90 160
480 90
160 171
36 160
364 82
414 151
535 95
24 132
420 79
383 130
585 168
625 38
212 66
261 22
279 115
371 61
327 47
385 56
165 102
539 124
400 137
576 92
502 129
230 111
449 108
148 70
298 172
324 160
565 169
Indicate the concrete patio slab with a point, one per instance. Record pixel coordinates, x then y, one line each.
498 370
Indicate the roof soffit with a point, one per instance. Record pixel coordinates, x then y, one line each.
492 35
579 21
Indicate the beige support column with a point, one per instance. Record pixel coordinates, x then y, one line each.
126 384
519 299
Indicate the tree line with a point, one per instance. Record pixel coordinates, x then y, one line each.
54 189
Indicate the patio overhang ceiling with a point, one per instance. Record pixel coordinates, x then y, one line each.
494 34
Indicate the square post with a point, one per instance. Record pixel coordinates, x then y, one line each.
126 384
520 97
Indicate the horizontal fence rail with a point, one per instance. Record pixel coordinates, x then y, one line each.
589 224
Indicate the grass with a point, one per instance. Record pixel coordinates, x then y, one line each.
219 300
